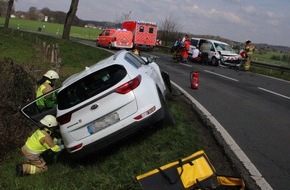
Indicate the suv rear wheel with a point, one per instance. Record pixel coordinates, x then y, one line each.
168 117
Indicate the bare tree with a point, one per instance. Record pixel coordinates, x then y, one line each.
123 17
69 19
3 7
8 13
33 13
169 30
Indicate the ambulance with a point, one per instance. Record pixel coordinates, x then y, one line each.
144 33
115 38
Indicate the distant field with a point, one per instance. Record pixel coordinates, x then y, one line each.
266 58
51 28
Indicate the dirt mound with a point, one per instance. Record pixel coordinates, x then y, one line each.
16 90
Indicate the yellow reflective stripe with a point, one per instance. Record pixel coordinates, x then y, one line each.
32 169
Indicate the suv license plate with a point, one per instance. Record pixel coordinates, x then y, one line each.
103 123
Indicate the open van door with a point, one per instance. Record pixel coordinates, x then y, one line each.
34 113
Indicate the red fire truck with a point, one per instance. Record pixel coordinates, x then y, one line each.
144 33
115 38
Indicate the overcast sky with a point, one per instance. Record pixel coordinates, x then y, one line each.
262 21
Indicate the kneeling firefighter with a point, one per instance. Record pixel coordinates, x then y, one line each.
39 142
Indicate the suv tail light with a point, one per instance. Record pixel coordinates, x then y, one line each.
128 86
75 147
64 118
146 113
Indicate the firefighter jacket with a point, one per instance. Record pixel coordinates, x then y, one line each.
249 49
39 142
47 102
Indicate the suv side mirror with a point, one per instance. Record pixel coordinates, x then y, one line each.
150 59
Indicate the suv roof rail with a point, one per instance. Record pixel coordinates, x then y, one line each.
117 54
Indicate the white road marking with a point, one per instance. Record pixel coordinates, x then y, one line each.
185 64
283 96
283 80
221 75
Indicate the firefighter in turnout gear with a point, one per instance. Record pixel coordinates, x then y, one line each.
136 51
39 142
44 86
249 49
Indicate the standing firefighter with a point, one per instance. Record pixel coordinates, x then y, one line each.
249 49
44 86
39 142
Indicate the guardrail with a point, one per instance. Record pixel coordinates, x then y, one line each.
270 66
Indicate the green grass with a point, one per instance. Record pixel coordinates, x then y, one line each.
115 168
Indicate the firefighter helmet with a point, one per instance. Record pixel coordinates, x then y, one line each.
49 121
51 74
248 41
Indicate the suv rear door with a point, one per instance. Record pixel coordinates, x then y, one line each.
33 113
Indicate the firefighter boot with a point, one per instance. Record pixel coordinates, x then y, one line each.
19 170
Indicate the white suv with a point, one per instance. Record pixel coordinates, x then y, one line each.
106 102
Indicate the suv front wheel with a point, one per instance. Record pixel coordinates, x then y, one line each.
214 61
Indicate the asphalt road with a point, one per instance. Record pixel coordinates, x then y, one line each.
254 110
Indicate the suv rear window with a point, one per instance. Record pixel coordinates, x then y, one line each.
90 86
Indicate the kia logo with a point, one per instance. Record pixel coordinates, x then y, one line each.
95 106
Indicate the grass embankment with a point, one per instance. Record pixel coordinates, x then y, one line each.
117 167
32 51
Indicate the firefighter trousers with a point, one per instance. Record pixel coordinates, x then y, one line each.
248 62
34 164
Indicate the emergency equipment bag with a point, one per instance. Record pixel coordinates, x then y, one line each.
192 172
